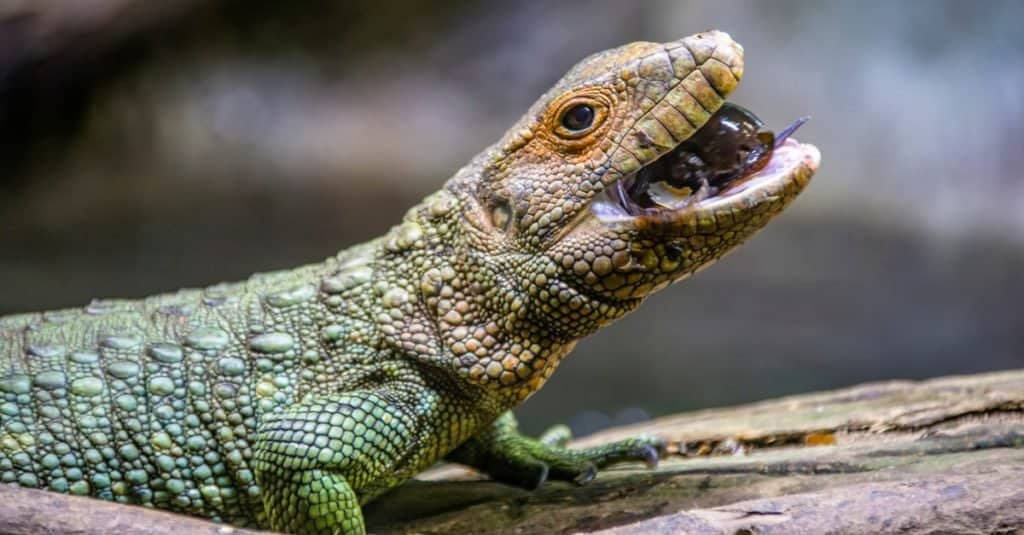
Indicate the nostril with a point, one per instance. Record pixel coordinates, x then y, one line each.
673 253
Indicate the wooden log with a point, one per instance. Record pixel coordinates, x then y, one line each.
30 512
938 456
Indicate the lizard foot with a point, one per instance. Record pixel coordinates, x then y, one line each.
581 466
512 458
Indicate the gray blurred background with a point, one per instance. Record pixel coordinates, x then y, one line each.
148 146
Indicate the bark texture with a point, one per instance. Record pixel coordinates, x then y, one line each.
938 456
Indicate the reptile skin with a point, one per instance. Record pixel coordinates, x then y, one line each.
290 399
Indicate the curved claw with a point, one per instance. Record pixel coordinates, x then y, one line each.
650 456
541 477
586 476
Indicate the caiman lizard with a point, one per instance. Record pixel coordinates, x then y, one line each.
289 400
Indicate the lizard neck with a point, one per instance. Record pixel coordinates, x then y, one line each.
453 297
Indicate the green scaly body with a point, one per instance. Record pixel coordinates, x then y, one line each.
289 400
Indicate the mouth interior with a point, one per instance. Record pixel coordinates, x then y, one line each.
729 149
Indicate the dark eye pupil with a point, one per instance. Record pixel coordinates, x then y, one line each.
578 117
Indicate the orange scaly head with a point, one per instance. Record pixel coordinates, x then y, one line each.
632 172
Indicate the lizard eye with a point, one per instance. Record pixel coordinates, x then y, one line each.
578 117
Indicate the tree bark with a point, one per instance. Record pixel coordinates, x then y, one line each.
938 456
31 512
945 455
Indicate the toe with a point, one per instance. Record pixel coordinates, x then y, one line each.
556 436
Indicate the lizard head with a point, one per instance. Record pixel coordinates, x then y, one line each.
563 181
593 200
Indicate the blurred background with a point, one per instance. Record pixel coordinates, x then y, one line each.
148 146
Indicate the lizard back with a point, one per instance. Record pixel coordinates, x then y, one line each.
155 401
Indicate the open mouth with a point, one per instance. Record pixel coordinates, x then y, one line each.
729 154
